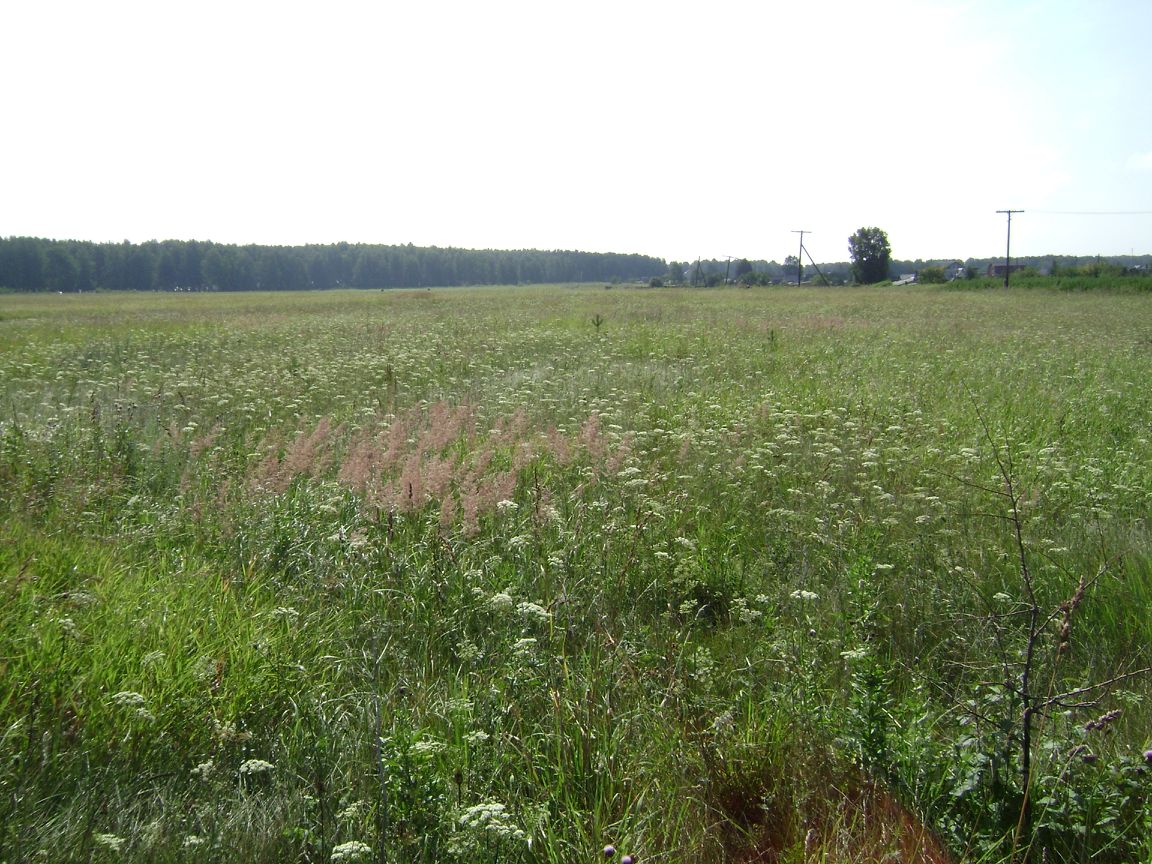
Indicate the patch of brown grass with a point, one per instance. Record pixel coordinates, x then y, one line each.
434 455
798 803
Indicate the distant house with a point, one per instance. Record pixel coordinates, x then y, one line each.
1000 270
954 271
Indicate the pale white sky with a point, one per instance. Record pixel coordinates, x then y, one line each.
680 130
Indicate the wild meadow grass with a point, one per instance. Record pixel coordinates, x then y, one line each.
459 575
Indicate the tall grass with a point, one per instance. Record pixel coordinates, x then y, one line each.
463 576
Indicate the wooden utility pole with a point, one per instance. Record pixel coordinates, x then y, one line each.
800 257
1008 248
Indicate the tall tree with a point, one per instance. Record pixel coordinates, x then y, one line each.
871 254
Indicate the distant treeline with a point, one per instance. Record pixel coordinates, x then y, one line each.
715 271
35 264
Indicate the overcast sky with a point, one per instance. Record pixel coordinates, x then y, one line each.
679 130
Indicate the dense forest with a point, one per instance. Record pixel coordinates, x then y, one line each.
35 264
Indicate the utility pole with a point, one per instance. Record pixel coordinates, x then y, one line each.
1008 248
800 257
727 268
812 261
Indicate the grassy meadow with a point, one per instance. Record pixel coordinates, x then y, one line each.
510 575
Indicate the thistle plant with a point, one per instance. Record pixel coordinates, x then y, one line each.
1033 637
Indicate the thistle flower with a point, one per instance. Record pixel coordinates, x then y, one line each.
1103 721
609 851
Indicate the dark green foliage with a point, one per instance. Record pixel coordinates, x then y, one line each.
871 254
34 264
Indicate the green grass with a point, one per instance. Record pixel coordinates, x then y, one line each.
468 571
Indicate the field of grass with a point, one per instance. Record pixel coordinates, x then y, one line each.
463 576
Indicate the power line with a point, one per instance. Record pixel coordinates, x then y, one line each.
1091 212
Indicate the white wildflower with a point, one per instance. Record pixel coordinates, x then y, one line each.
491 817
744 613
460 705
804 595
255 767
723 722
353 850
507 506
192 841
110 842
429 746
533 611
354 812
68 627
479 736
204 770
229 734
468 651
81 599
134 703
501 601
